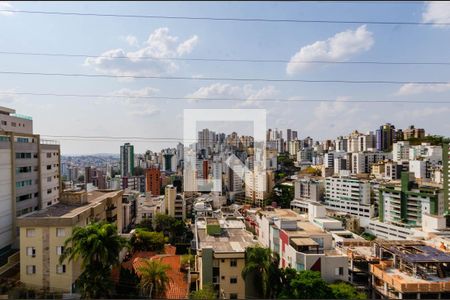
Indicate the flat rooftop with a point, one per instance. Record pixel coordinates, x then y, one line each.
420 254
63 210
234 236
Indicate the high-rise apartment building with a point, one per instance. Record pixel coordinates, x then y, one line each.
29 174
386 136
153 181
406 201
174 203
412 132
127 160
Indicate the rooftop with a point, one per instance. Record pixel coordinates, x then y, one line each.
63 210
233 238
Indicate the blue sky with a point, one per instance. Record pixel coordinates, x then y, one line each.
248 40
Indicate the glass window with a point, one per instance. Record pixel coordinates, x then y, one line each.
31 251
60 232
31 232
233 263
233 280
60 269
31 269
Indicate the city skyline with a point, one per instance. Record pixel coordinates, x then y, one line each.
174 40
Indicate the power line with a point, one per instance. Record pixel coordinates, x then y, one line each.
222 78
220 99
373 62
190 18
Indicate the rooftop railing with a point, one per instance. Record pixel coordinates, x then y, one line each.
22 116
49 142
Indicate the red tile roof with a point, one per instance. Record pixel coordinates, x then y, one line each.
178 286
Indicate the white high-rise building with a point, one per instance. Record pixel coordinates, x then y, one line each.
400 151
29 173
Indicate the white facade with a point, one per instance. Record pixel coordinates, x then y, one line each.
388 231
351 196
50 158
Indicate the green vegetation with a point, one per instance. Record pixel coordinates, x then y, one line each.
127 288
262 266
368 236
343 290
432 139
172 228
154 278
143 240
282 195
207 293
213 229
312 171
97 246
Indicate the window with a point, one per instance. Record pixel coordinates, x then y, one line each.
233 263
49 191
339 271
24 197
233 280
31 251
22 140
23 155
49 179
49 167
59 250
31 269
60 232
4 123
233 296
49 155
60 269
31 232
13 124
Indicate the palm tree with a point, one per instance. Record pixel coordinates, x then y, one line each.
262 263
97 246
154 278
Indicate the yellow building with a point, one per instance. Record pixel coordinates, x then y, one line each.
43 233
221 245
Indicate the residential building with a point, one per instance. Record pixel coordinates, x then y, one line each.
258 185
174 203
43 234
307 190
127 160
302 242
385 137
29 175
400 151
349 195
361 162
153 181
406 201
221 245
412 132
148 206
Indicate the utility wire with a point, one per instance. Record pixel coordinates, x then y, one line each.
221 78
190 18
219 99
374 62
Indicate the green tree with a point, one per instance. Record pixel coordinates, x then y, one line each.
171 227
127 286
262 264
343 290
207 293
143 240
146 224
310 285
154 278
97 246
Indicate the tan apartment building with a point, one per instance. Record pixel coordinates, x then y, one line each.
221 244
43 233
174 203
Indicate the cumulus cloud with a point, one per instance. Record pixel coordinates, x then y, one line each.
414 89
135 105
160 45
225 90
341 46
131 40
7 6
437 12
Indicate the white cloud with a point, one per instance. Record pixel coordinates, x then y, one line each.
136 106
341 46
414 89
437 12
187 46
131 40
225 90
160 45
7 6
